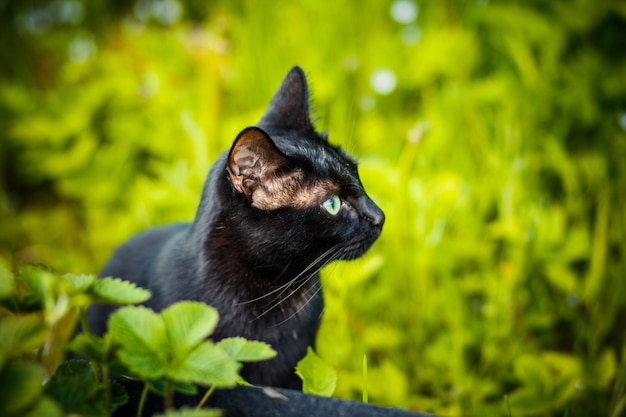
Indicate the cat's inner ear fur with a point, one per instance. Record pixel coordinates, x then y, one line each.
260 171
268 178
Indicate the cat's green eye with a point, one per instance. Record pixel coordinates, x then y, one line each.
332 205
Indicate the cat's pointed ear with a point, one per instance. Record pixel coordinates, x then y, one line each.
289 108
257 167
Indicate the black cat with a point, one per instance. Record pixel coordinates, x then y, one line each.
276 207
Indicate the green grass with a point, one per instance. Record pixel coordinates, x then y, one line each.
498 159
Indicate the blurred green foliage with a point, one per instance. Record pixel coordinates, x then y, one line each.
492 133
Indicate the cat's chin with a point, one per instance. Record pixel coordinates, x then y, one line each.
355 250
349 256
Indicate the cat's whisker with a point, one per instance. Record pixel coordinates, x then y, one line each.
282 272
304 282
282 287
321 312
317 290
279 301
308 268
335 248
286 285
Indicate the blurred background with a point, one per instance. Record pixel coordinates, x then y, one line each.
492 133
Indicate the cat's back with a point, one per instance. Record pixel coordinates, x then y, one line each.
132 259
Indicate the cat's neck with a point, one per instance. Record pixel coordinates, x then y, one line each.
253 279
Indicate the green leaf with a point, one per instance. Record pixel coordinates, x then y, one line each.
75 389
548 381
44 407
191 412
317 376
72 284
27 303
20 387
530 370
117 291
20 334
562 277
138 328
563 390
39 283
243 350
99 349
598 373
159 385
188 323
119 396
208 365
527 400
174 345
7 282
143 339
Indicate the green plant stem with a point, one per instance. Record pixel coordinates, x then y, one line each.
84 321
365 395
168 394
107 388
508 406
85 325
206 397
142 400
39 354
619 407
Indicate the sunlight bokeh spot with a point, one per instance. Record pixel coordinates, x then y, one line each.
404 11
383 81
81 49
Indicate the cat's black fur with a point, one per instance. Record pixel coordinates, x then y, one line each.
260 236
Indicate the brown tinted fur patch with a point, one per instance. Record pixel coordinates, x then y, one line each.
259 170
314 195
288 191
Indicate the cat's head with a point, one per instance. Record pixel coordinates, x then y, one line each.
302 195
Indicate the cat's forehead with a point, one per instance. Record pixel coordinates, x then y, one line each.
327 159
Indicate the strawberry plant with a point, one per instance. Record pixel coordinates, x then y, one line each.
168 351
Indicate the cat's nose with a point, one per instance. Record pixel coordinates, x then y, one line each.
371 211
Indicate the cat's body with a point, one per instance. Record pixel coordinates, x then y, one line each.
275 208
